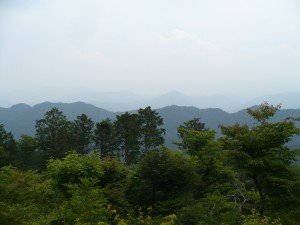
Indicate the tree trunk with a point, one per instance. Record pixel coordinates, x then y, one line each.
262 196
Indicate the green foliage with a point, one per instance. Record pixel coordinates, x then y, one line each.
170 220
193 124
285 201
210 167
260 154
114 183
105 138
256 219
127 128
264 112
145 219
25 197
72 168
54 134
151 131
212 209
209 182
87 202
193 141
186 127
164 180
82 133
29 155
8 148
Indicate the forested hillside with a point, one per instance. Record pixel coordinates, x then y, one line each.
20 119
118 171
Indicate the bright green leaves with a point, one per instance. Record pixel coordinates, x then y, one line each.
264 112
259 153
73 167
256 219
25 197
87 202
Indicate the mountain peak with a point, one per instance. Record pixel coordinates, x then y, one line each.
20 106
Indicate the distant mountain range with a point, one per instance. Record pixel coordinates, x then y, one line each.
20 119
125 100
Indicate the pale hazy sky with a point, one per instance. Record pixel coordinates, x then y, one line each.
199 47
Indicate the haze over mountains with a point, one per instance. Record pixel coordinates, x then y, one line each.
126 100
20 119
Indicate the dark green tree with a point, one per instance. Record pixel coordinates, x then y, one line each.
164 179
29 155
114 183
127 128
104 137
83 133
8 147
210 167
151 130
54 134
260 153
193 124
190 125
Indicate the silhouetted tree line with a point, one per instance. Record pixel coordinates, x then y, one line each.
119 172
128 137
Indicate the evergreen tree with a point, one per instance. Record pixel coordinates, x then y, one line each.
104 137
164 179
127 128
29 156
193 125
151 131
83 133
54 134
8 147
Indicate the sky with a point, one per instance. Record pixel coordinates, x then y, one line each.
150 47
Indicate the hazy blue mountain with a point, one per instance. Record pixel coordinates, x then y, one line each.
180 99
118 100
20 118
229 103
126 100
167 99
289 100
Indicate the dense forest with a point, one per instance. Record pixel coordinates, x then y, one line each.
119 172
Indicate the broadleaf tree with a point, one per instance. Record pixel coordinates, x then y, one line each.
260 153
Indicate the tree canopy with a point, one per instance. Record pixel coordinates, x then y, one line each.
118 172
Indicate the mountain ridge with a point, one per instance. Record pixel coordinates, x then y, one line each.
127 101
20 118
